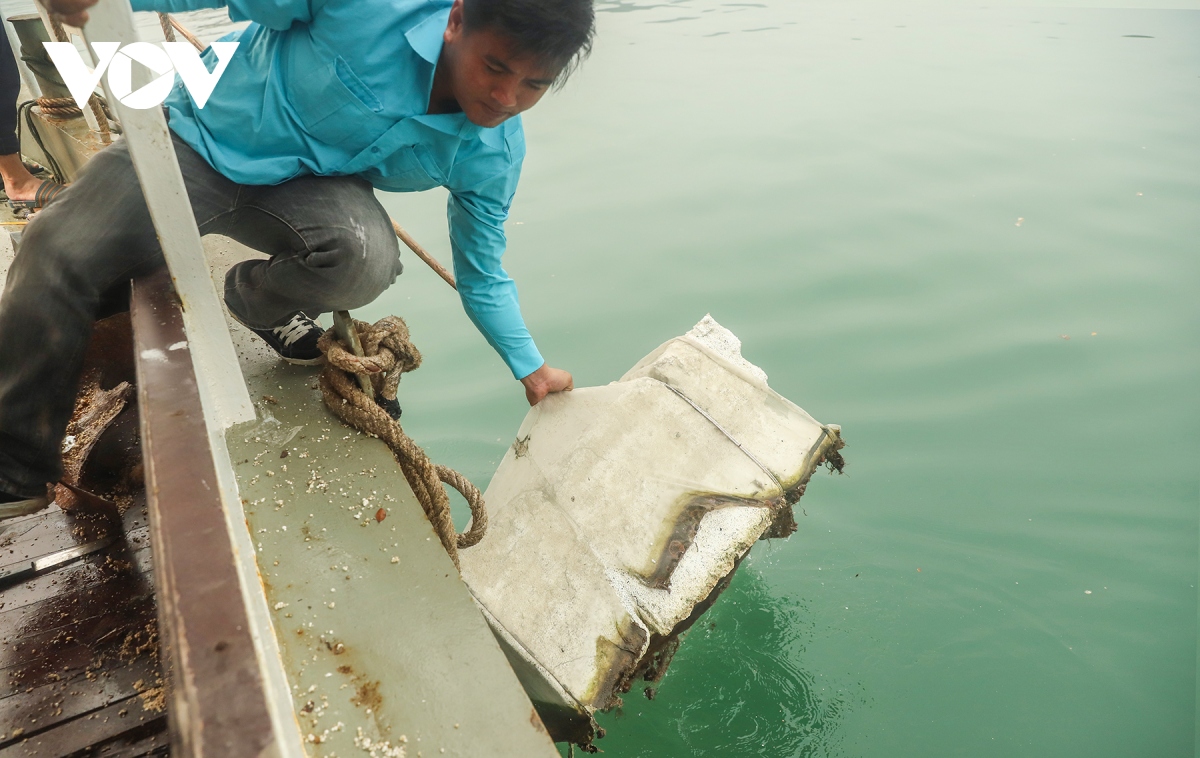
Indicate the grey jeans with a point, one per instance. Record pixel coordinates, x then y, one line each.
331 244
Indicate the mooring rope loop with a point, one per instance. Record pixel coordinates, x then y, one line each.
388 354
60 34
65 108
62 108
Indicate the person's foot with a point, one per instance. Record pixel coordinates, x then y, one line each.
295 341
34 196
12 506
26 192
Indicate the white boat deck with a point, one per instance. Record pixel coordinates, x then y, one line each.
376 630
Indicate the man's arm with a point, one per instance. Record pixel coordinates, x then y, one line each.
489 295
74 12
482 183
273 14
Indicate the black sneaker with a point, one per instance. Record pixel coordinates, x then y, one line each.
295 341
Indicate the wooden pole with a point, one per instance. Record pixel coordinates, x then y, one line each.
413 245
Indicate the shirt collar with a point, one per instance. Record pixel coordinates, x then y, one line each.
426 41
454 124
426 37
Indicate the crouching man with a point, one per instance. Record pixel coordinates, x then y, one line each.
323 102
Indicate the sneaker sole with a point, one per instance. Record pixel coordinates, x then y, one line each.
302 361
23 507
294 361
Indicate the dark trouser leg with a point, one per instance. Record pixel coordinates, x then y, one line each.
10 89
332 246
93 238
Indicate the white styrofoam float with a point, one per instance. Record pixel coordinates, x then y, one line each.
621 512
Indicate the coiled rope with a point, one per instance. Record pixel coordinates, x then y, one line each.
62 108
60 34
388 353
65 108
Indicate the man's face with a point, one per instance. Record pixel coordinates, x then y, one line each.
488 79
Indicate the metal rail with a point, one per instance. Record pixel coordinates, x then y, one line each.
223 700
223 392
229 695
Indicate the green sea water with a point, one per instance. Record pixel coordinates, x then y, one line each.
968 235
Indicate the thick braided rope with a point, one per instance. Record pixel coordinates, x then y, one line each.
63 108
171 25
388 353
168 31
60 34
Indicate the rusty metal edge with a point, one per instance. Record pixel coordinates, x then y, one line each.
229 692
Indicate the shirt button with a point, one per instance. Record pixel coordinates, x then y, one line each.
374 150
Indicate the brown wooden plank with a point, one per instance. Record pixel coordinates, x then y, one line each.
95 601
46 533
82 733
139 537
80 647
136 744
55 703
84 623
46 595
92 645
53 530
218 703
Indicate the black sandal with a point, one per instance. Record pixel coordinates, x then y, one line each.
46 192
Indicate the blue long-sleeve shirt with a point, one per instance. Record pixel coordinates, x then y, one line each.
340 87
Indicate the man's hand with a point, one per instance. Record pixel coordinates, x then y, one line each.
73 12
544 381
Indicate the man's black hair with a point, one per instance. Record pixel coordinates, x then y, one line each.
557 33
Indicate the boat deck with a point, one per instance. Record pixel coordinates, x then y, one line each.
378 634
79 664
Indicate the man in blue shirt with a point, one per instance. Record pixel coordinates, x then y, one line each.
323 101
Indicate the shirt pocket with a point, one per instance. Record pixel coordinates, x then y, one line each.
412 168
331 102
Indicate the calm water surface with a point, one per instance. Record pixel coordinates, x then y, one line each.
969 236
